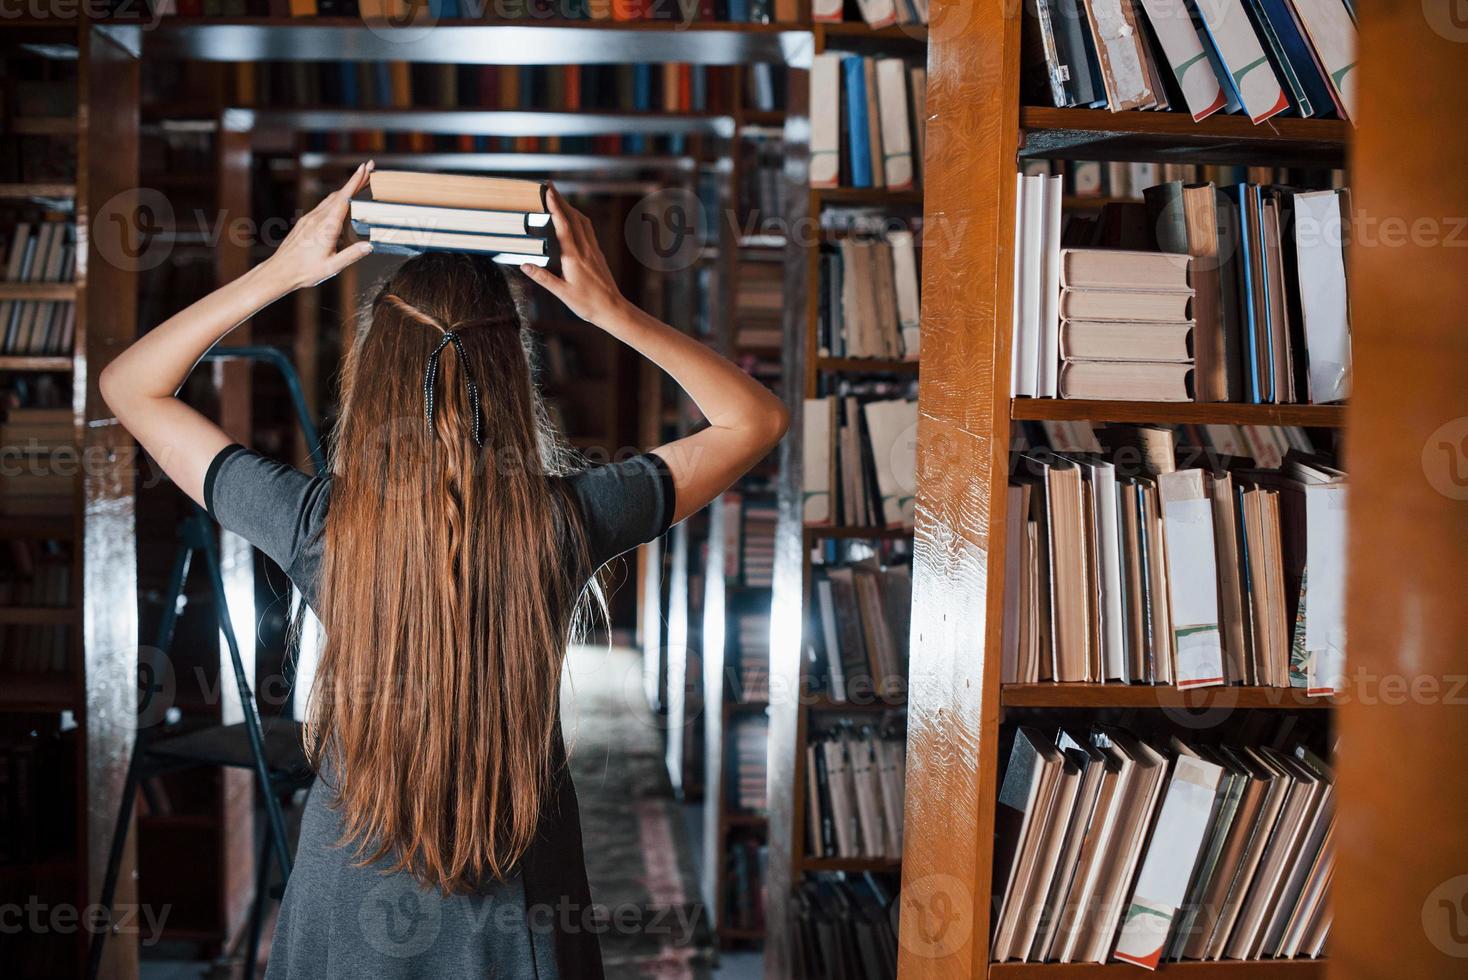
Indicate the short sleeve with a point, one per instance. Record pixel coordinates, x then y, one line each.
624 504
275 507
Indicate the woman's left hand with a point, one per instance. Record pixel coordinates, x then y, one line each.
309 254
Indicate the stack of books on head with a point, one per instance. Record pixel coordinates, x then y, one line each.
408 212
869 297
1122 567
1113 846
1246 282
844 928
866 121
1259 58
854 784
750 738
858 637
39 252
752 655
860 461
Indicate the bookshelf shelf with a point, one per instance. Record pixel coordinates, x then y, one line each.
38 291
43 126
1222 970
868 365
859 30
39 615
26 693
875 196
478 42
849 531
854 865
1177 413
36 526
876 704
27 362
36 190
1143 696
477 122
1096 134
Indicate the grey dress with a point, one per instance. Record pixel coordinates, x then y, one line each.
340 921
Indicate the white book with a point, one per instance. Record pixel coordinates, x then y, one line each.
864 778
1172 853
895 119
1025 343
1321 270
1108 568
1192 578
892 429
1050 288
1332 35
825 11
1238 47
831 634
1201 88
447 219
878 13
1325 573
816 431
825 119
905 276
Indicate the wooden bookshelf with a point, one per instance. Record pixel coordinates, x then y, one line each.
97 684
1222 970
1177 413
978 127
792 715
1144 696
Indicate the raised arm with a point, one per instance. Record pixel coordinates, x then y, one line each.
745 419
141 385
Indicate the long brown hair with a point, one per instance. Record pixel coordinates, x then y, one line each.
448 594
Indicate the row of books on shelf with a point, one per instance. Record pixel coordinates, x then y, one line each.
867 118
1111 845
1125 567
1117 180
38 576
874 13
413 13
746 861
1260 58
749 539
857 640
749 675
761 189
749 739
1204 293
845 928
40 473
860 461
39 252
869 301
403 85
855 777
37 779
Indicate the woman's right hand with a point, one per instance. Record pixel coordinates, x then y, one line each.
585 284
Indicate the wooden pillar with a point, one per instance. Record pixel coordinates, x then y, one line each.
1401 886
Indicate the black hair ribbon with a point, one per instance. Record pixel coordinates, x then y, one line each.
430 380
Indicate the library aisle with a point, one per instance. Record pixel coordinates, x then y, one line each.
639 858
